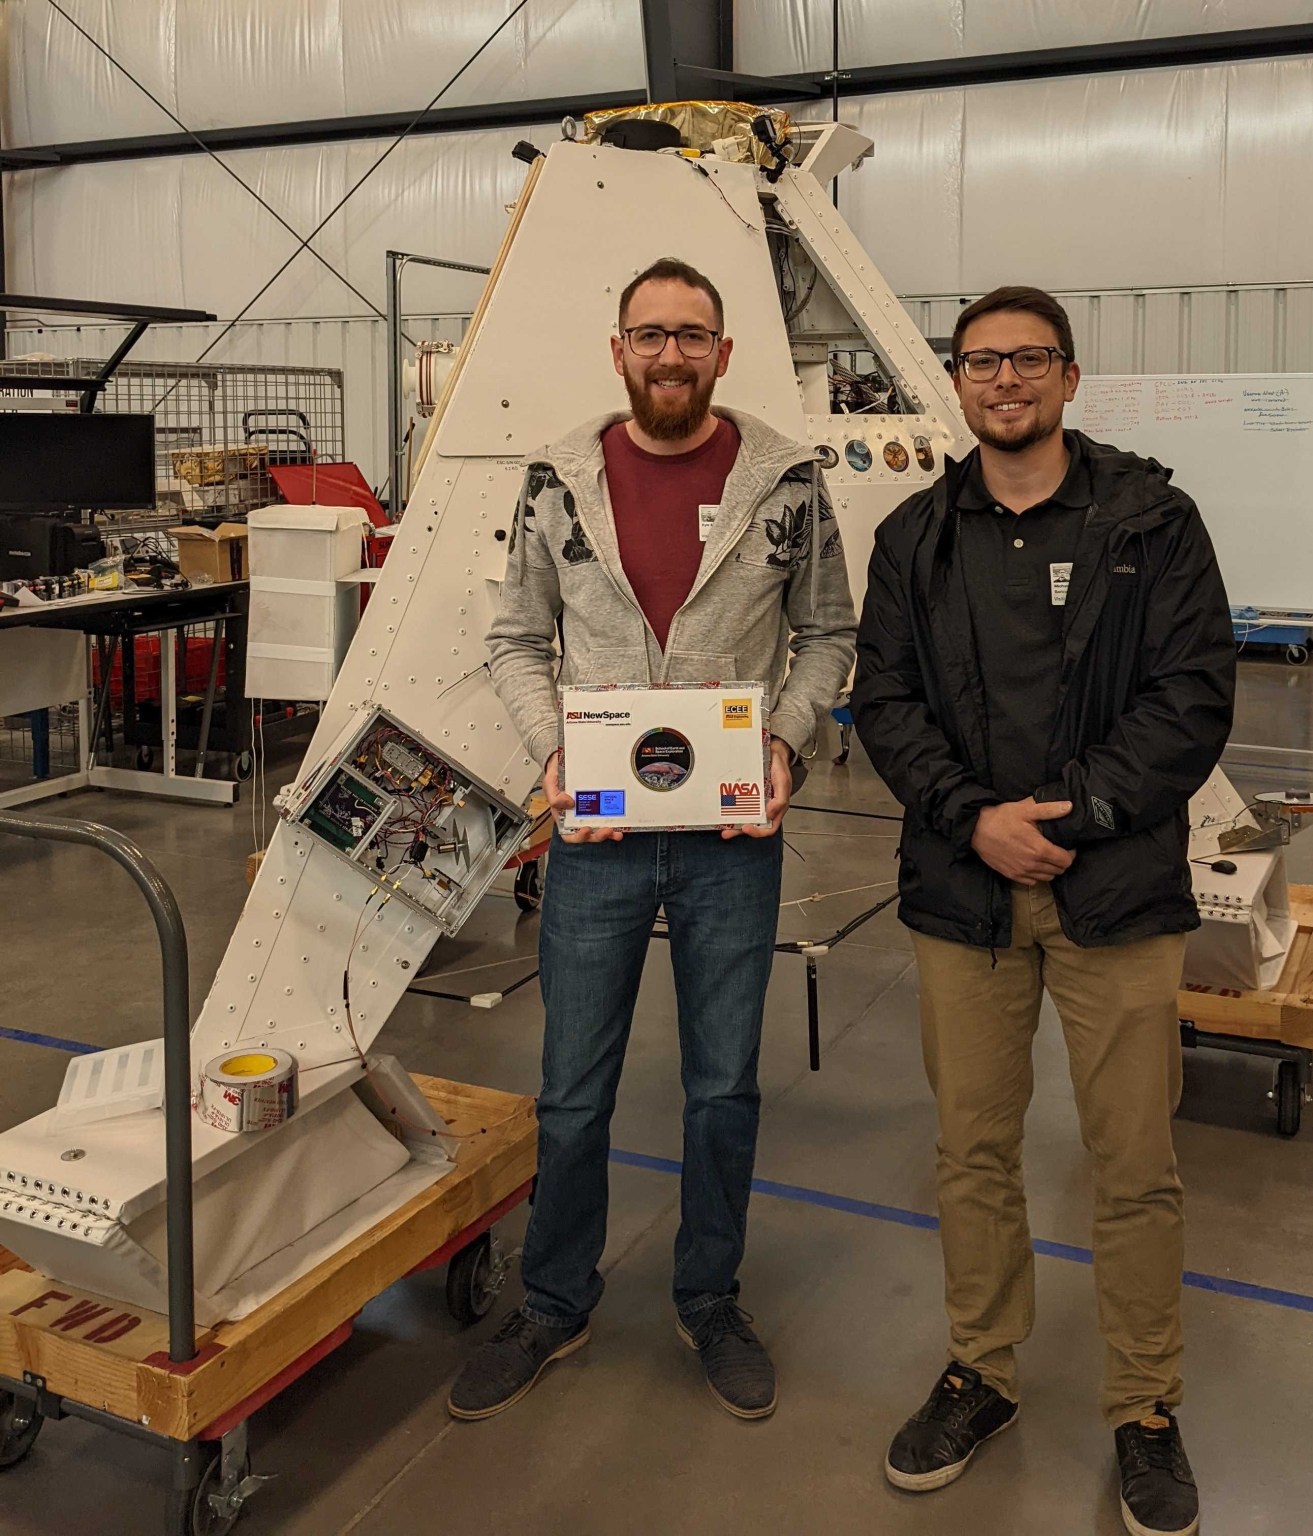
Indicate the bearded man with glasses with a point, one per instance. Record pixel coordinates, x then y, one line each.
1045 675
675 544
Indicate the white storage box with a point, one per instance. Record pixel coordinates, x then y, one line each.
304 609
684 757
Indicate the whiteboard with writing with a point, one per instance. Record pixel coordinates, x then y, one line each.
1241 445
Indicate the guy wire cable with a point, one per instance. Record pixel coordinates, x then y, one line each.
352 190
222 164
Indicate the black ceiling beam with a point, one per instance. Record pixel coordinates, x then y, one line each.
381 125
1245 43
41 304
795 85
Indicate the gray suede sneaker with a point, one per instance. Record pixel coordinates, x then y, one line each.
739 1373
501 1371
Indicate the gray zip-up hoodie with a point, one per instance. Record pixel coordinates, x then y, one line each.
770 602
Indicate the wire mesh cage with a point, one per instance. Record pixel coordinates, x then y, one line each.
219 428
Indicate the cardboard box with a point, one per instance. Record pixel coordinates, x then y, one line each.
210 555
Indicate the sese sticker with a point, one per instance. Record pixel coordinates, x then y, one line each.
662 758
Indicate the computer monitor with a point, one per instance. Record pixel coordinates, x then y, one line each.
64 462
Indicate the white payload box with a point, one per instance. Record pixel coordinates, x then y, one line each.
1244 901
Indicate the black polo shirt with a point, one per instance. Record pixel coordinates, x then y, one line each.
1017 568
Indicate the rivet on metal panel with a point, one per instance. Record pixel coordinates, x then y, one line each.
363 1014
332 1010
497 727
527 764
455 650
370 681
437 680
510 437
321 927
250 978
385 687
394 600
465 746
232 1007
410 679
305 959
414 549
392 629
337 895
256 942
282 879
287 991
462 631
372 984
364 949
446 733
410 578
278 914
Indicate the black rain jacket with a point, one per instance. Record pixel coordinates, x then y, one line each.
1144 709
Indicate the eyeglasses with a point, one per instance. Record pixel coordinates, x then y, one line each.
650 340
1027 362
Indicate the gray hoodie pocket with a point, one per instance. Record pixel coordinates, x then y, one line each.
699 667
619 664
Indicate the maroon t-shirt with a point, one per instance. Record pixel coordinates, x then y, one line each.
655 498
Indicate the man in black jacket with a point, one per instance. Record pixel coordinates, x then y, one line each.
1045 675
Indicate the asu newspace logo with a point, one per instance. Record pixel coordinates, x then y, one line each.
595 716
736 714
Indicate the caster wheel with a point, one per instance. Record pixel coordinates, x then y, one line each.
1297 655
1289 1099
20 1424
192 1514
145 758
528 887
472 1282
243 767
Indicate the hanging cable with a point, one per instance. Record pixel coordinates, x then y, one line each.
222 164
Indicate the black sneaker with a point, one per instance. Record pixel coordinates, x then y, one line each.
933 1448
501 1371
1159 1497
739 1373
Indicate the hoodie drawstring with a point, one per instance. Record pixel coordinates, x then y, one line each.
816 527
518 530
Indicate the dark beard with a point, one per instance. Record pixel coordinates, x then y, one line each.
1036 434
668 423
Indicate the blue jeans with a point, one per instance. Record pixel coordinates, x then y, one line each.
721 900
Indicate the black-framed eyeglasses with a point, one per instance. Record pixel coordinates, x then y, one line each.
983 363
693 341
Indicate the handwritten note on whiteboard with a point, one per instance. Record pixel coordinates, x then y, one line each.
1242 446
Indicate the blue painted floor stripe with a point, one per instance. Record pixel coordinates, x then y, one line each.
1243 1290
1294 1301
73 1047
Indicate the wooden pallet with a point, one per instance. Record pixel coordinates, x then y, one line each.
100 1353
1283 1014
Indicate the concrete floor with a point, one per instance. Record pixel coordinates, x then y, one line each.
842 1273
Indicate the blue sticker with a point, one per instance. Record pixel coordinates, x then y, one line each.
586 802
613 802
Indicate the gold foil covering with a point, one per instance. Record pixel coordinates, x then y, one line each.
701 124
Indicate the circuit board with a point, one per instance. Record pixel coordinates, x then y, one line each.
395 805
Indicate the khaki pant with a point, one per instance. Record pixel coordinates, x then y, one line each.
1119 1017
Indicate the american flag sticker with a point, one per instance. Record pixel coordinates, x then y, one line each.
740 799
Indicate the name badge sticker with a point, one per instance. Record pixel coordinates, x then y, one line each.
707 519
1059 581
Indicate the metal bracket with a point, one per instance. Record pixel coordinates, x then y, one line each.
48 1404
236 1481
